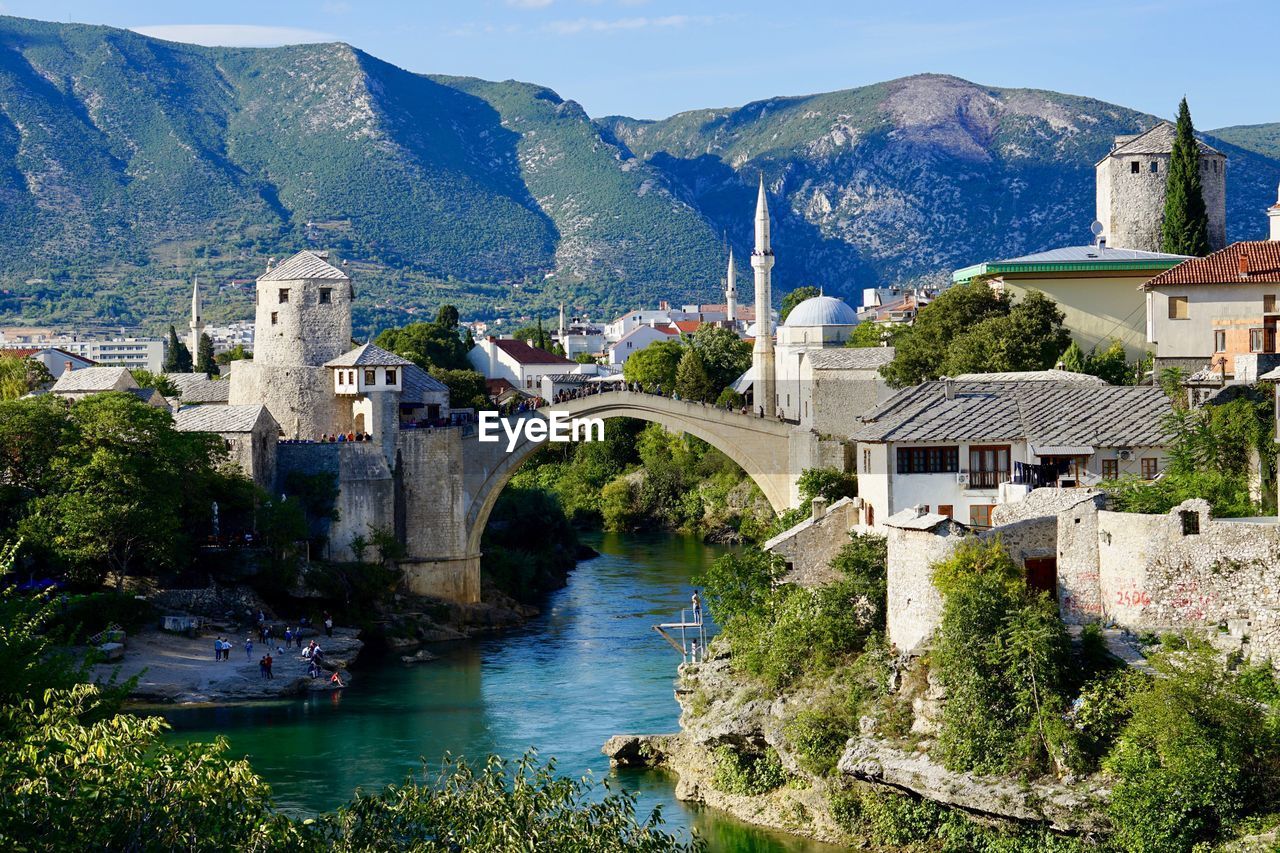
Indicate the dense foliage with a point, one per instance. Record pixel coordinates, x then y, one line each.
109 486
439 348
1184 230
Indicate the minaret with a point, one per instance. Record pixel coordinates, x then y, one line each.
197 320
1273 214
762 358
731 291
562 328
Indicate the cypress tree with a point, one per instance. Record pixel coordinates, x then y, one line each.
177 358
1185 229
205 362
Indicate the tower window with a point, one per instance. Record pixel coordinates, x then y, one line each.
1135 167
391 376
275 318
284 295
325 293
1155 166
370 377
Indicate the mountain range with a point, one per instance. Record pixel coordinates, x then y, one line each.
130 164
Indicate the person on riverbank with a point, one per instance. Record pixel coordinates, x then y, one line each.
269 661
288 637
328 625
262 666
217 649
248 648
334 679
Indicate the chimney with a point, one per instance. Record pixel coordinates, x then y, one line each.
819 507
271 262
1244 264
949 387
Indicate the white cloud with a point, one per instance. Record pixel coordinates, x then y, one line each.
529 4
234 35
601 25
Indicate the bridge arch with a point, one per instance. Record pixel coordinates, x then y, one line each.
761 447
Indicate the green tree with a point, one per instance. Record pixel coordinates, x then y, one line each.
692 382
21 376
922 349
655 365
724 355
466 387
236 353
447 317
794 298
177 358
1185 227
32 434
872 334
427 345
146 379
1030 337
1074 359
205 362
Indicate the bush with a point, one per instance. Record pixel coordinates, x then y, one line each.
1199 751
747 774
818 736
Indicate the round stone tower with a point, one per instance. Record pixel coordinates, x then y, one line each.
303 319
1131 189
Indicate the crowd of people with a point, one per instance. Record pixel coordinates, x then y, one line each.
292 637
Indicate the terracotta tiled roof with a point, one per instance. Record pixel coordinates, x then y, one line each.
525 354
1223 266
27 352
687 327
668 330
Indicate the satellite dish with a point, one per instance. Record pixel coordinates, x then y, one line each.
1096 228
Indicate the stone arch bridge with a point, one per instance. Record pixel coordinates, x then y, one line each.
447 481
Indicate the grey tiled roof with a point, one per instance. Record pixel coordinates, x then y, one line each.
1032 376
368 355
150 396
90 379
1157 140
851 358
417 384
909 519
198 388
1044 413
304 265
219 419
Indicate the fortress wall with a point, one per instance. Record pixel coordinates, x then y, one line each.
434 516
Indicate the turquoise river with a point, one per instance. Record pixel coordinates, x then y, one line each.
589 667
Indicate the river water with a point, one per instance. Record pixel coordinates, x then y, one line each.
589 667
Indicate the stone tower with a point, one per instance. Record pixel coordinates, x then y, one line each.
731 291
303 320
1131 189
766 393
196 325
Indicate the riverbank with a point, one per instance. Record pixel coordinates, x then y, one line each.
177 669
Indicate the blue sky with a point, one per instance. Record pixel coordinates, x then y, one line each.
652 58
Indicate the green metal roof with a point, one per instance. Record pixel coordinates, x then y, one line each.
1003 267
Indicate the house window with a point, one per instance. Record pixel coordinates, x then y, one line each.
1269 303
946 509
1135 167
1110 469
988 465
1150 467
1219 340
1178 308
370 376
928 460
1155 166
391 376
1190 522
284 295
1257 340
980 515
866 460
275 318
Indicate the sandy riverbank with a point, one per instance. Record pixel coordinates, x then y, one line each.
173 668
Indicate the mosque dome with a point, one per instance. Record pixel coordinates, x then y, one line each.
822 311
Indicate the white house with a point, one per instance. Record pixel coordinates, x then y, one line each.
639 338
56 361
517 362
958 448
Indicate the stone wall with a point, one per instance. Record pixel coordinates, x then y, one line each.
366 498
300 398
809 547
433 521
1131 205
306 332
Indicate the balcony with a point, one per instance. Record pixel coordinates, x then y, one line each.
987 479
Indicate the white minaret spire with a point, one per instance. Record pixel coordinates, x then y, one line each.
197 319
562 326
1273 214
762 262
731 291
